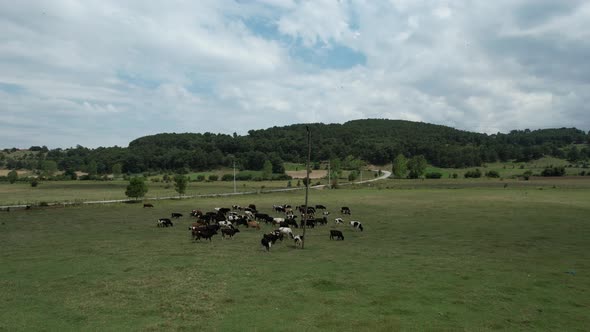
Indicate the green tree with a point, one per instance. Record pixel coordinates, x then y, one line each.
417 166
267 170
117 169
399 167
180 183
12 176
136 188
92 168
49 167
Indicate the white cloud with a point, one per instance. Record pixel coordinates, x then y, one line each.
93 68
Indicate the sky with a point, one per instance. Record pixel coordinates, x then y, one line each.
104 72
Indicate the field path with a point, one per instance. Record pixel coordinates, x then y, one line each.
384 175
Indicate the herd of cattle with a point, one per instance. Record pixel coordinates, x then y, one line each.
228 221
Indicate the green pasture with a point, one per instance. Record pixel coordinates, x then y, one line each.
472 258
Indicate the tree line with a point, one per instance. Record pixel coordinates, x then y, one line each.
375 141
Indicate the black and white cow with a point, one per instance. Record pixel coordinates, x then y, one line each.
339 221
345 210
357 225
298 240
336 234
164 222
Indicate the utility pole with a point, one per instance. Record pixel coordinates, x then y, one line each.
234 176
329 176
306 185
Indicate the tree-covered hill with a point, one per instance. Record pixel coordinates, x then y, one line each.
376 141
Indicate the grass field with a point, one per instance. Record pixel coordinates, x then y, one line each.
478 257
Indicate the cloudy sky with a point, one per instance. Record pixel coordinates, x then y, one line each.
104 72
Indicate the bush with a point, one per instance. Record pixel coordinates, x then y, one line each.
492 174
34 183
433 175
553 171
43 204
473 174
200 178
527 175
281 177
227 177
455 175
213 177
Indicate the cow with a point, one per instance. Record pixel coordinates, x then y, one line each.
164 222
310 222
260 216
225 224
229 232
206 234
253 224
336 234
286 231
277 221
266 243
196 213
252 207
176 215
320 207
298 240
273 236
326 213
148 205
339 221
241 221
345 210
357 225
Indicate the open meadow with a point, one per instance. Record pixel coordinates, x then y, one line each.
463 255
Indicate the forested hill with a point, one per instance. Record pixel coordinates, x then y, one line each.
374 140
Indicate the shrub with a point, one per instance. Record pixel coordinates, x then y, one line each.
553 171
492 174
244 176
433 175
281 177
34 183
455 175
227 177
527 175
473 174
43 204
213 177
200 178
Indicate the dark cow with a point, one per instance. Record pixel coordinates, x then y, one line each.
252 207
345 210
291 222
164 222
196 213
266 243
273 237
357 225
176 215
309 223
260 216
320 207
229 232
148 205
336 234
322 221
206 234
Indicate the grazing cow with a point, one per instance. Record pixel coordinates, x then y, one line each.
164 222
206 234
236 207
225 223
339 221
176 215
148 205
260 216
273 236
309 223
357 225
286 231
278 208
345 210
291 222
277 221
252 207
336 234
196 213
266 243
229 232
298 240
320 207
241 221
326 213
249 214
253 224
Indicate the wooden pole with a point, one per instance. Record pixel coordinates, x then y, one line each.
306 185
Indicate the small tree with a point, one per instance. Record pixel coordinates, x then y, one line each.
180 182
136 188
117 170
49 167
399 167
267 170
417 166
12 176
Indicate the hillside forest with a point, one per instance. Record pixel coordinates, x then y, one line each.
374 141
